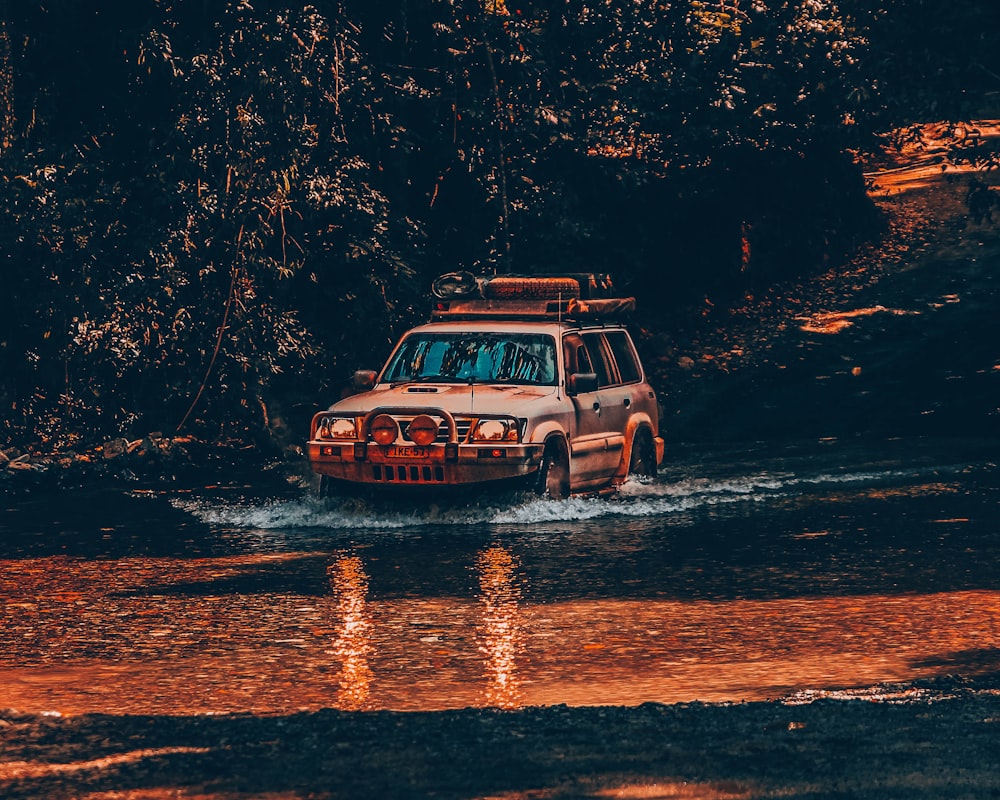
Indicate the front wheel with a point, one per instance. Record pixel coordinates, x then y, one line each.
643 460
322 487
553 474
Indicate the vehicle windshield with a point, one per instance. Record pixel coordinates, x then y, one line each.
522 358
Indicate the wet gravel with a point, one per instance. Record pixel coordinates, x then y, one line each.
893 742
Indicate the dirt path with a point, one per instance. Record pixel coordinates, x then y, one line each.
857 349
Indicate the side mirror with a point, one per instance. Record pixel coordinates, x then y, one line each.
581 383
364 379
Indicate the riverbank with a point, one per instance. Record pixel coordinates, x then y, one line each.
906 742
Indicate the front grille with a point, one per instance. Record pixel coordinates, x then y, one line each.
407 473
463 424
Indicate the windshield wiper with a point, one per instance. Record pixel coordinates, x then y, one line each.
424 379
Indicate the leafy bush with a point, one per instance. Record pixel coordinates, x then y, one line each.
214 209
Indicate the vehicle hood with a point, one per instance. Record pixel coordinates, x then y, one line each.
480 398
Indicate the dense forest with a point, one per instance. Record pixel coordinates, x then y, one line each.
212 210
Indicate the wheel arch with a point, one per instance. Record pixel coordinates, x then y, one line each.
637 423
544 432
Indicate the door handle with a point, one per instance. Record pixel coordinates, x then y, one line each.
597 407
628 402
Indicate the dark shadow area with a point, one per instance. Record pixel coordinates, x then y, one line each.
980 662
107 522
304 575
915 357
914 750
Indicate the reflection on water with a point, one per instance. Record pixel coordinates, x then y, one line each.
500 627
746 582
353 644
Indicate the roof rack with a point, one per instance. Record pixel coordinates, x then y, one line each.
584 285
570 296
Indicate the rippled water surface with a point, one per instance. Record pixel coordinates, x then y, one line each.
736 574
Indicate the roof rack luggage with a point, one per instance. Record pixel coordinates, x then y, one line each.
571 296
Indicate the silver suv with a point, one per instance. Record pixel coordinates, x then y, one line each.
514 380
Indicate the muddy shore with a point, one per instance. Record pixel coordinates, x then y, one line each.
909 742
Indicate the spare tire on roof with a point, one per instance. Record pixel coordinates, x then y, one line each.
457 284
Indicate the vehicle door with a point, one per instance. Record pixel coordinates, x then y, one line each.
587 437
638 397
613 401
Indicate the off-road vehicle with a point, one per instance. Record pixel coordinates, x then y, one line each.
531 380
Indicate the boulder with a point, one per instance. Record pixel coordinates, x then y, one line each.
115 448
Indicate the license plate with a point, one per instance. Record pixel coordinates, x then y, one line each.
405 451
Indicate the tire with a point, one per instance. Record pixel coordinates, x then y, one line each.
553 474
643 459
323 487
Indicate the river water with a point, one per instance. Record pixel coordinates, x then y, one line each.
737 574
826 519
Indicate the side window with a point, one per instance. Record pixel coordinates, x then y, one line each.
624 353
599 359
575 355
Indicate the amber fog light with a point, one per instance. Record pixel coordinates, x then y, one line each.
423 430
384 429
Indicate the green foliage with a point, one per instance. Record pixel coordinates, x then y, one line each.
930 61
265 181
179 285
209 208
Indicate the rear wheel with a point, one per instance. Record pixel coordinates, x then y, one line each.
553 474
643 460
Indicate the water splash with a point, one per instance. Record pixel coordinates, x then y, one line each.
636 498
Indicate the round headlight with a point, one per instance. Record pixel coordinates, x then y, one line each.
342 428
492 430
423 430
384 429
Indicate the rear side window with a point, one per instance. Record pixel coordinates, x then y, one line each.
624 353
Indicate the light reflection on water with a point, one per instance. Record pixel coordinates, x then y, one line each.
500 625
498 621
353 645
724 587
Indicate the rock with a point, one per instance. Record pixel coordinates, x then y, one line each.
685 362
114 448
